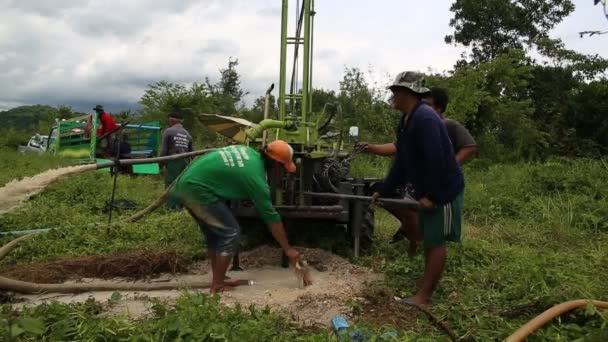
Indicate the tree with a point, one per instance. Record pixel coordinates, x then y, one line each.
583 67
227 92
256 113
162 98
588 119
65 112
493 27
365 108
491 101
29 118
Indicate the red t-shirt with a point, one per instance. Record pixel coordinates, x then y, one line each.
106 124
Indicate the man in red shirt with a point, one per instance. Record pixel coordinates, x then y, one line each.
106 122
105 129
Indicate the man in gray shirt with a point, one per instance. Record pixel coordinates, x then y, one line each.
176 140
464 144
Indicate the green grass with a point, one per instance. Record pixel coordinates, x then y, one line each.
535 235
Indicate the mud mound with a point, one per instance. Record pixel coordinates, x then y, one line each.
321 260
335 282
130 265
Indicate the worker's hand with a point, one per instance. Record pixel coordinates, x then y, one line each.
301 269
426 203
374 202
362 145
293 255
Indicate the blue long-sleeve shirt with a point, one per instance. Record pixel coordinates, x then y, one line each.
425 159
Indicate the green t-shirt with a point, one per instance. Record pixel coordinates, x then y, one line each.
229 173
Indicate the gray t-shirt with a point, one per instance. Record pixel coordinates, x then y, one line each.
459 135
176 139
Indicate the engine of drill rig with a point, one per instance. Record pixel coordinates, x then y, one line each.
332 172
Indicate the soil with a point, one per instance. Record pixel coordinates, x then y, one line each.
133 265
335 281
378 307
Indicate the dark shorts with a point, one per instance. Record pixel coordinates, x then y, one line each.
218 224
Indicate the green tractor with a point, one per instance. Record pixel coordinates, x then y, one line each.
321 191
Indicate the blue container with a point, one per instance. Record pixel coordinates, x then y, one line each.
339 324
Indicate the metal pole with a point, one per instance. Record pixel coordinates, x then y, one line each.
305 82
282 84
357 217
116 168
266 112
312 37
236 263
401 202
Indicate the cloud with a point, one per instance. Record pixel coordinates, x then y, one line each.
86 52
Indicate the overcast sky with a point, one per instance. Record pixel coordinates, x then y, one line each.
81 53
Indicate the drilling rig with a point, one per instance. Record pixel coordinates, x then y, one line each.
322 190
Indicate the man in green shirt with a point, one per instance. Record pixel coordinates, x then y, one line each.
231 173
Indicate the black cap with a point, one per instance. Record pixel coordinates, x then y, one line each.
98 108
176 115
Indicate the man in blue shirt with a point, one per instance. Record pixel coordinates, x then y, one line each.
424 164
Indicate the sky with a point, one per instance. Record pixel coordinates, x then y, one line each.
81 53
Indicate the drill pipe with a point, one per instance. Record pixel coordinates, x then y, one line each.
152 160
401 202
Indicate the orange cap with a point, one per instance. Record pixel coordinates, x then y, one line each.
282 153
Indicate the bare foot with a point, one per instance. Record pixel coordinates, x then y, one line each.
418 300
220 289
232 283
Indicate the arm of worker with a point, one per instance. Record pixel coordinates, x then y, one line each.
465 154
385 150
463 142
259 192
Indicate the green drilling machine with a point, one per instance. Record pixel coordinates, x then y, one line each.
321 192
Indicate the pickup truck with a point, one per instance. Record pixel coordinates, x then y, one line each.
37 144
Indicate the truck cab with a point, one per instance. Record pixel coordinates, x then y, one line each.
37 144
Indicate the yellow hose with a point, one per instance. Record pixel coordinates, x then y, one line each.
542 319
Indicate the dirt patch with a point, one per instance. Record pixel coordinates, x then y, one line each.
137 264
378 307
336 281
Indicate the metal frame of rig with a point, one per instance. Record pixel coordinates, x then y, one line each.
321 189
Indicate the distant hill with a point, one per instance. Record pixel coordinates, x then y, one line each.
26 118
31 118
